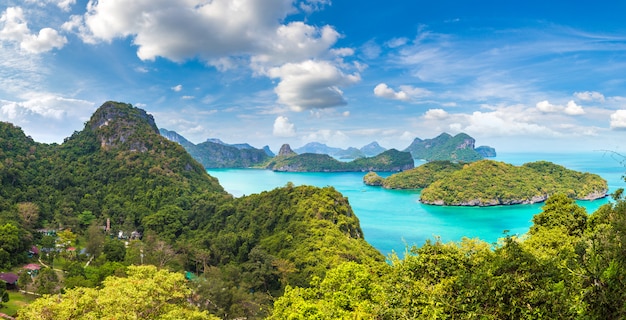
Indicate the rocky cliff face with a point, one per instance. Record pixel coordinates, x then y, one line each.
120 125
285 150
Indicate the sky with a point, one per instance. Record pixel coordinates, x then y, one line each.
530 76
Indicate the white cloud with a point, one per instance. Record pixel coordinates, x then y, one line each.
188 97
383 91
618 120
15 29
284 128
406 92
589 96
211 30
311 84
436 114
64 5
346 114
397 42
332 137
177 88
47 117
547 107
573 109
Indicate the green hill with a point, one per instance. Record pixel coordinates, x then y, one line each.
119 168
416 178
488 183
390 160
215 154
459 148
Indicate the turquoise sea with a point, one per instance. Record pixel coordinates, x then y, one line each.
394 219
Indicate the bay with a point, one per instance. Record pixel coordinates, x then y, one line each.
394 220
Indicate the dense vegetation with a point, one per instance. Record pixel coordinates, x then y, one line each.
459 148
570 266
416 178
487 182
245 251
390 160
296 252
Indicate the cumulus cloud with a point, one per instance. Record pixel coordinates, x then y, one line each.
181 29
404 94
571 109
284 128
546 106
177 88
436 114
47 117
589 96
383 91
618 120
311 84
229 34
15 29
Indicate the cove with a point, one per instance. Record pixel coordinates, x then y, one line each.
393 220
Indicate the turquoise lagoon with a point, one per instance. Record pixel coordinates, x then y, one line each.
393 220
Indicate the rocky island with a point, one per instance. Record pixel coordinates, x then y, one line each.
491 183
289 161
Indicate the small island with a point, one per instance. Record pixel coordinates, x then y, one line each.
491 183
288 161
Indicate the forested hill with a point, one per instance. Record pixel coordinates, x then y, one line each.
119 168
489 183
458 148
213 153
390 160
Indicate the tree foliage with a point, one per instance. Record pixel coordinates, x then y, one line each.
146 293
487 182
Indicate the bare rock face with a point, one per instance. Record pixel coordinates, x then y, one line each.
122 125
285 150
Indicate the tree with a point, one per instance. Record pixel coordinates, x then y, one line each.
66 238
4 295
95 240
29 213
147 293
114 250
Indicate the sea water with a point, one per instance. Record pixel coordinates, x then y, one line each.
395 220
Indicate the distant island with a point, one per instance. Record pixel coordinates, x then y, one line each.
490 183
369 150
459 148
214 153
289 161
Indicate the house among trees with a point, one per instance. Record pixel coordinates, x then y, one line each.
10 279
33 251
33 268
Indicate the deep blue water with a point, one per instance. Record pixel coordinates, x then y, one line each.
394 219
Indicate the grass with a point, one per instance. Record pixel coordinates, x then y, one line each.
16 301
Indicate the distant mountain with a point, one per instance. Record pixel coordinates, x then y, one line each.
390 160
372 149
459 148
214 153
369 150
319 148
486 151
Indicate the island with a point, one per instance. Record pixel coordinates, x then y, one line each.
458 148
490 183
289 161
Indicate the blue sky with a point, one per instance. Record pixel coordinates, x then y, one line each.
519 76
